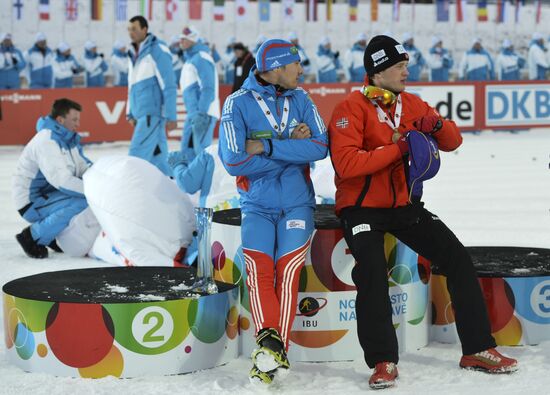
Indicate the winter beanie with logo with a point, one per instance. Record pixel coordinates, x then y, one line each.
383 52
276 53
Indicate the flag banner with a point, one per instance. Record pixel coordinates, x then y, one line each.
395 10
195 9
353 10
538 12
219 10
517 9
374 10
329 10
460 10
121 10
503 11
44 10
241 10
413 11
17 9
288 10
311 10
442 14
171 9
264 11
71 10
482 14
97 10
146 9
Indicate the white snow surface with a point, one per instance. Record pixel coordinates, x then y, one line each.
495 190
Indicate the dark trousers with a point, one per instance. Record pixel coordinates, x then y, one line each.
427 235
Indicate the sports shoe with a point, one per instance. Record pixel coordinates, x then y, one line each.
30 246
489 361
271 355
256 376
384 375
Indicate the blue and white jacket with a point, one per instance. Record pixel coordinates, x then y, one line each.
206 174
440 62
278 179
95 69
508 65
537 61
11 63
63 67
39 65
52 160
355 68
416 62
327 65
228 61
177 61
476 65
151 84
199 82
119 66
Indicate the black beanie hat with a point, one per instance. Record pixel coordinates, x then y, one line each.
381 53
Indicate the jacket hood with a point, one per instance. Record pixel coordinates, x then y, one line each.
59 133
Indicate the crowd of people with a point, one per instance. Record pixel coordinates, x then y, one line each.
45 67
384 143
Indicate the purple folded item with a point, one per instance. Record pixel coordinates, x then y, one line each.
424 161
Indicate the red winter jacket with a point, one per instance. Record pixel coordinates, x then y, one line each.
361 146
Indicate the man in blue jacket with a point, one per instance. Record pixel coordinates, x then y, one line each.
327 62
476 64
508 63
355 71
47 184
151 94
440 61
11 63
64 66
199 84
416 60
39 62
270 131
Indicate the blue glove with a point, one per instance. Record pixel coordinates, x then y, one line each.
199 123
177 158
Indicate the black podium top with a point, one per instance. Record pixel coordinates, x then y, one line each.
108 285
325 218
510 261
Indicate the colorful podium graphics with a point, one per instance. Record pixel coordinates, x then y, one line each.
325 325
122 322
516 286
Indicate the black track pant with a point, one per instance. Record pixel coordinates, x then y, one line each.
427 235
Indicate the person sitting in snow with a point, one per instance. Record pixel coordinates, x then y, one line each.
47 185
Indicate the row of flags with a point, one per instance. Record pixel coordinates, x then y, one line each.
505 9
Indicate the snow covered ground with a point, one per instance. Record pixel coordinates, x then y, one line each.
494 191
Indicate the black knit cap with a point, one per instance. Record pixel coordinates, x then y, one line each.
381 53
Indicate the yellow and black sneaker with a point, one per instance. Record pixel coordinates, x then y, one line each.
256 376
271 353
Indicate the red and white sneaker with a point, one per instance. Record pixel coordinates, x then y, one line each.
384 375
489 361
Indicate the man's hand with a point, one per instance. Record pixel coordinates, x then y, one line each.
171 125
199 123
301 132
177 158
403 145
254 147
428 124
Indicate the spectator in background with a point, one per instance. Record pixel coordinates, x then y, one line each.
228 62
119 64
327 62
243 64
259 41
354 59
152 95
47 185
537 58
177 56
304 59
95 65
199 84
11 63
439 61
476 64
65 67
416 60
39 62
508 63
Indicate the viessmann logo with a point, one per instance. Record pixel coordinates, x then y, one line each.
111 117
18 97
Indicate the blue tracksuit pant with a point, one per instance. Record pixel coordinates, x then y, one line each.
149 142
192 144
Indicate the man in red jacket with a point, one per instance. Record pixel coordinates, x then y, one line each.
369 151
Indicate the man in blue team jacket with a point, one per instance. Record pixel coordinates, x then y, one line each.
151 95
11 63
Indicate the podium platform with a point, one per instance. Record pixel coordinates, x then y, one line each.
122 322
